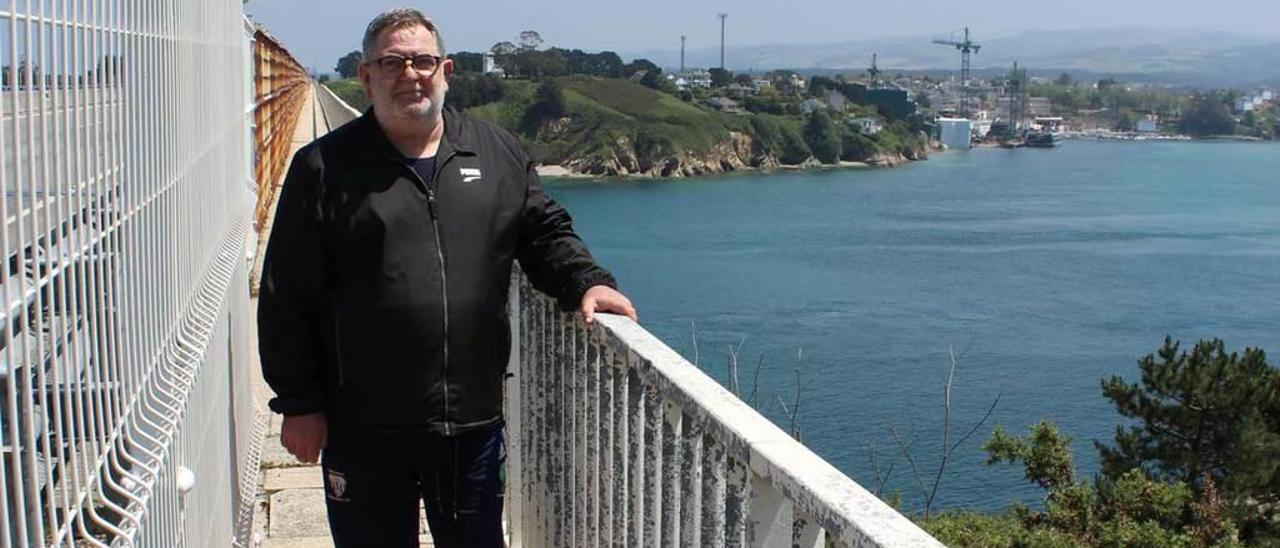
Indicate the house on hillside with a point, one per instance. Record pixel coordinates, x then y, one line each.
723 104
809 105
866 126
740 91
1149 124
835 101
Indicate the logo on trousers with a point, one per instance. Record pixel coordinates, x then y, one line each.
337 486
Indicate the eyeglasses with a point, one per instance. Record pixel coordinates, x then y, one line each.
424 63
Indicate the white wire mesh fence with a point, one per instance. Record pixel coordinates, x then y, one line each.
125 395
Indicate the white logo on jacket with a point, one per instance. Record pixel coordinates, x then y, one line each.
469 174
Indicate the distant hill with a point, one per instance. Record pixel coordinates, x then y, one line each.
619 127
1184 57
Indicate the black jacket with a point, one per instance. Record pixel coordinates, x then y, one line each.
383 301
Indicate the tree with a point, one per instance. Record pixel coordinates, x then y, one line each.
743 79
720 77
347 64
1064 80
466 61
1130 509
530 40
540 64
639 65
822 137
468 90
654 80
818 85
1207 115
1203 416
548 104
503 55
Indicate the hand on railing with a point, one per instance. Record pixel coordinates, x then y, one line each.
602 298
304 435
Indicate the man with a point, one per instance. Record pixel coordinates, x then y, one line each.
382 311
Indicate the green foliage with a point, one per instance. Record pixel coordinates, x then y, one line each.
351 92
548 104
605 64
473 90
604 113
1046 453
468 62
856 147
347 64
1197 467
976 529
822 137
769 105
1203 414
1207 115
639 65
720 77
1130 510
780 137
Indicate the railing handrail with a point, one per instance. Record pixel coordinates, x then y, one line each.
846 510
618 439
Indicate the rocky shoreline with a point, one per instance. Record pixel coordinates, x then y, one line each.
734 155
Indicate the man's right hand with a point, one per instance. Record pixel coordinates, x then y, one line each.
304 435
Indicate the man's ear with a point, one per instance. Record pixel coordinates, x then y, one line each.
446 66
362 72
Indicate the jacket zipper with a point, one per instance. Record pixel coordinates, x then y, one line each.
444 280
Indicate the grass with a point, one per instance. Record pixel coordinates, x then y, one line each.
350 91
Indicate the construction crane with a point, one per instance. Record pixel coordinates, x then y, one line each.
966 47
874 71
1016 89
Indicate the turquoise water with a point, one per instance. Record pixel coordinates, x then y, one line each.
1048 269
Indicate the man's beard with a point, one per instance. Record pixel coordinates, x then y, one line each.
431 111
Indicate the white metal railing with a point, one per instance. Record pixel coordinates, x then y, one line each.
617 440
125 394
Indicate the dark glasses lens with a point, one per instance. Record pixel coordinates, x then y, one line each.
395 63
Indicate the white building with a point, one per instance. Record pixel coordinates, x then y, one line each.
1149 124
491 66
956 133
866 126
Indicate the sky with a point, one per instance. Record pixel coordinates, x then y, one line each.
318 32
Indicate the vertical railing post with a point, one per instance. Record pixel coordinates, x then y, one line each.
714 484
654 422
672 463
591 487
582 400
772 516
513 411
737 503
636 458
807 534
691 484
607 433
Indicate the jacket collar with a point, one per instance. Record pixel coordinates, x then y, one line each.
455 137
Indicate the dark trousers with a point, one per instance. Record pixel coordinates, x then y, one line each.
373 485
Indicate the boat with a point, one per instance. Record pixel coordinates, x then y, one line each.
1040 139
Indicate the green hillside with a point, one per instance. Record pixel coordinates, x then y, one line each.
613 126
